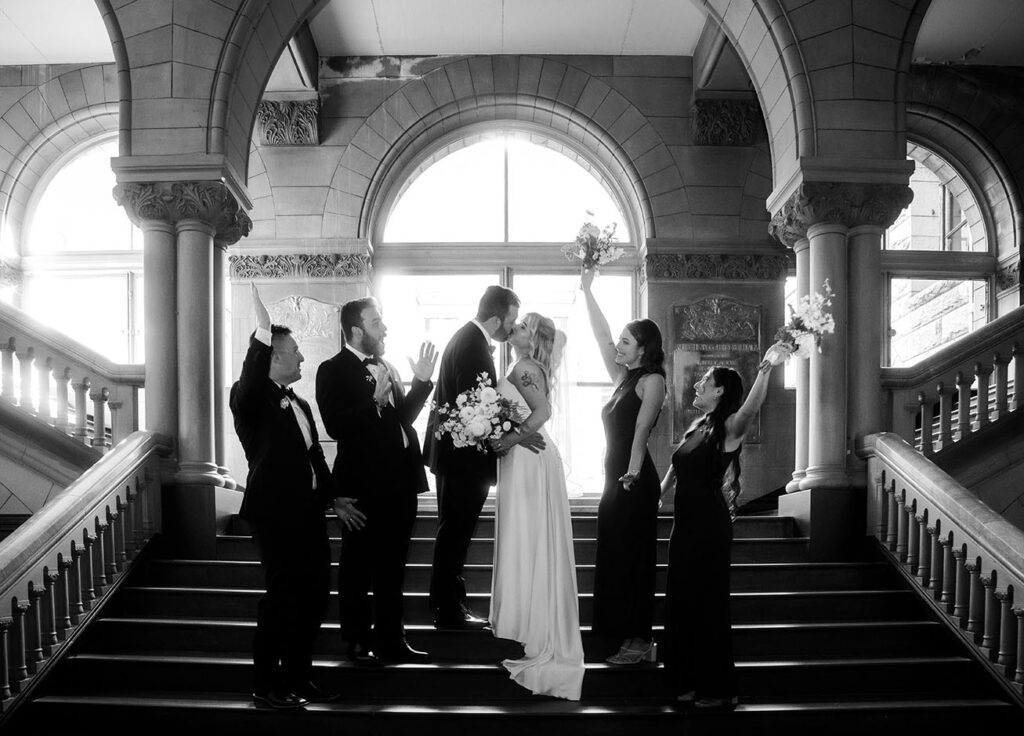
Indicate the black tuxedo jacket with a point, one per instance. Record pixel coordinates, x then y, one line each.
371 452
280 480
465 357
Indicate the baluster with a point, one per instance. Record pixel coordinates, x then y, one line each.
981 373
1007 631
963 407
7 370
61 381
1018 611
85 571
901 527
892 524
976 602
63 599
948 595
119 521
17 668
43 370
945 438
962 595
81 390
913 542
49 612
1018 374
935 581
75 606
110 545
924 412
33 628
25 361
5 661
990 635
127 510
1000 367
99 569
878 497
99 418
924 549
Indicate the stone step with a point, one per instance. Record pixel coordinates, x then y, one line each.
481 549
750 641
782 576
771 607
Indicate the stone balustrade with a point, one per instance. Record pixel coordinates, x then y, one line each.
960 389
65 384
966 558
56 569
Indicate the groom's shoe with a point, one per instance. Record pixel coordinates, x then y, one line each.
361 654
312 692
278 700
400 652
458 618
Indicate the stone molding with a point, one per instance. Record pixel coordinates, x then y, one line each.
845 204
301 266
715 316
726 122
700 266
1008 276
207 201
288 122
9 275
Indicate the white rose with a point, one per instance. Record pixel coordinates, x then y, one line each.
478 429
467 413
460 399
804 345
488 395
507 426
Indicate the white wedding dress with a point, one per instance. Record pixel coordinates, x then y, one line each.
533 591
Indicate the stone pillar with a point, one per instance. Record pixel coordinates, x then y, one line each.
800 373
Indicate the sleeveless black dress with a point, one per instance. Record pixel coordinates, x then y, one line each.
624 573
698 618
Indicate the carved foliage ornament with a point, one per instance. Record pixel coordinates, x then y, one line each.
711 318
726 122
1008 276
300 266
701 266
9 275
841 203
290 122
207 201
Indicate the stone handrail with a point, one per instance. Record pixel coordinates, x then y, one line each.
71 382
57 566
962 554
980 373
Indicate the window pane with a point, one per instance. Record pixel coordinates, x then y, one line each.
549 195
77 211
926 314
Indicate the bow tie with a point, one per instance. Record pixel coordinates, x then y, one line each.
371 361
289 393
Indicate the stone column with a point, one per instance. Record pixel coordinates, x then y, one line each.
800 373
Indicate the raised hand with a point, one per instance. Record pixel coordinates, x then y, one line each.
262 315
423 368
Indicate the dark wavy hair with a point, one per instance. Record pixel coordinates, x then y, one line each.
648 336
728 404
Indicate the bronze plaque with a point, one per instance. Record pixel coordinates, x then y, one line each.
715 331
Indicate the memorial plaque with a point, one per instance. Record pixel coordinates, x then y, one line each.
715 331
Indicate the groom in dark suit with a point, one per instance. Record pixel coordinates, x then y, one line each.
465 474
365 408
287 492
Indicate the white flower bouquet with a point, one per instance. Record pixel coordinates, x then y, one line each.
480 414
593 246
808 323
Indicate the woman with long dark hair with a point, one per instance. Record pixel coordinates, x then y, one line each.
624 572
706 471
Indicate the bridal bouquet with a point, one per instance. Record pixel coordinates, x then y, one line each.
593 246
480 414
808 322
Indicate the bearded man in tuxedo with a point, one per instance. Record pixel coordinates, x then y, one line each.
366 409
287 493
464 475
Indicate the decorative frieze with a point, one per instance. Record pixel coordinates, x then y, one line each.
842 203
1008 276
301 266
9 275
288 122
703 266
207 201
726 122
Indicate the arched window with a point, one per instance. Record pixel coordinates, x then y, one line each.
82 258
496 207
938 262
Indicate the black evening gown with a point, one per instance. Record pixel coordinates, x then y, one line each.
627 528
698 616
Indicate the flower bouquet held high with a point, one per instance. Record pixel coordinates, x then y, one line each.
480 414
808 323
593 246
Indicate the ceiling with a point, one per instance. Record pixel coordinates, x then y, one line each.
71 31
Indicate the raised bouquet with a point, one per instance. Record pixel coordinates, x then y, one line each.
593 246
480 414
808 323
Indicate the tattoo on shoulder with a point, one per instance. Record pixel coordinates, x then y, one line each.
528 379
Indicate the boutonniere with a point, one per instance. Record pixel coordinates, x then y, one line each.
285 403
371 379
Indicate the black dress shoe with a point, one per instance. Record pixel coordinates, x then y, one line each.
312 692
361 654
279 700
458 619
400 652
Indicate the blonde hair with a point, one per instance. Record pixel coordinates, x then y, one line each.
548 342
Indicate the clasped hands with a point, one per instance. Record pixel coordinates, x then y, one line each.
533 442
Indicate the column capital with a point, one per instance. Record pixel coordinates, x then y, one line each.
207 201
844 203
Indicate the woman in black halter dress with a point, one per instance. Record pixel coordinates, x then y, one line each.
698 619
624 574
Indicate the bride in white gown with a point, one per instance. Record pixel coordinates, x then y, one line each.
533 590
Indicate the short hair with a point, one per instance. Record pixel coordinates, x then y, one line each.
352 314
648 336
496 302
276 333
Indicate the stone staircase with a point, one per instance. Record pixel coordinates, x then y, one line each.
845 646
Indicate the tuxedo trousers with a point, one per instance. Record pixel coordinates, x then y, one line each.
296 561
460 497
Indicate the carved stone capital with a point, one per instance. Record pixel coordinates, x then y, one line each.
701 266
207 201
300 266
843 203
9 275
288 122
726 122
1008 276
